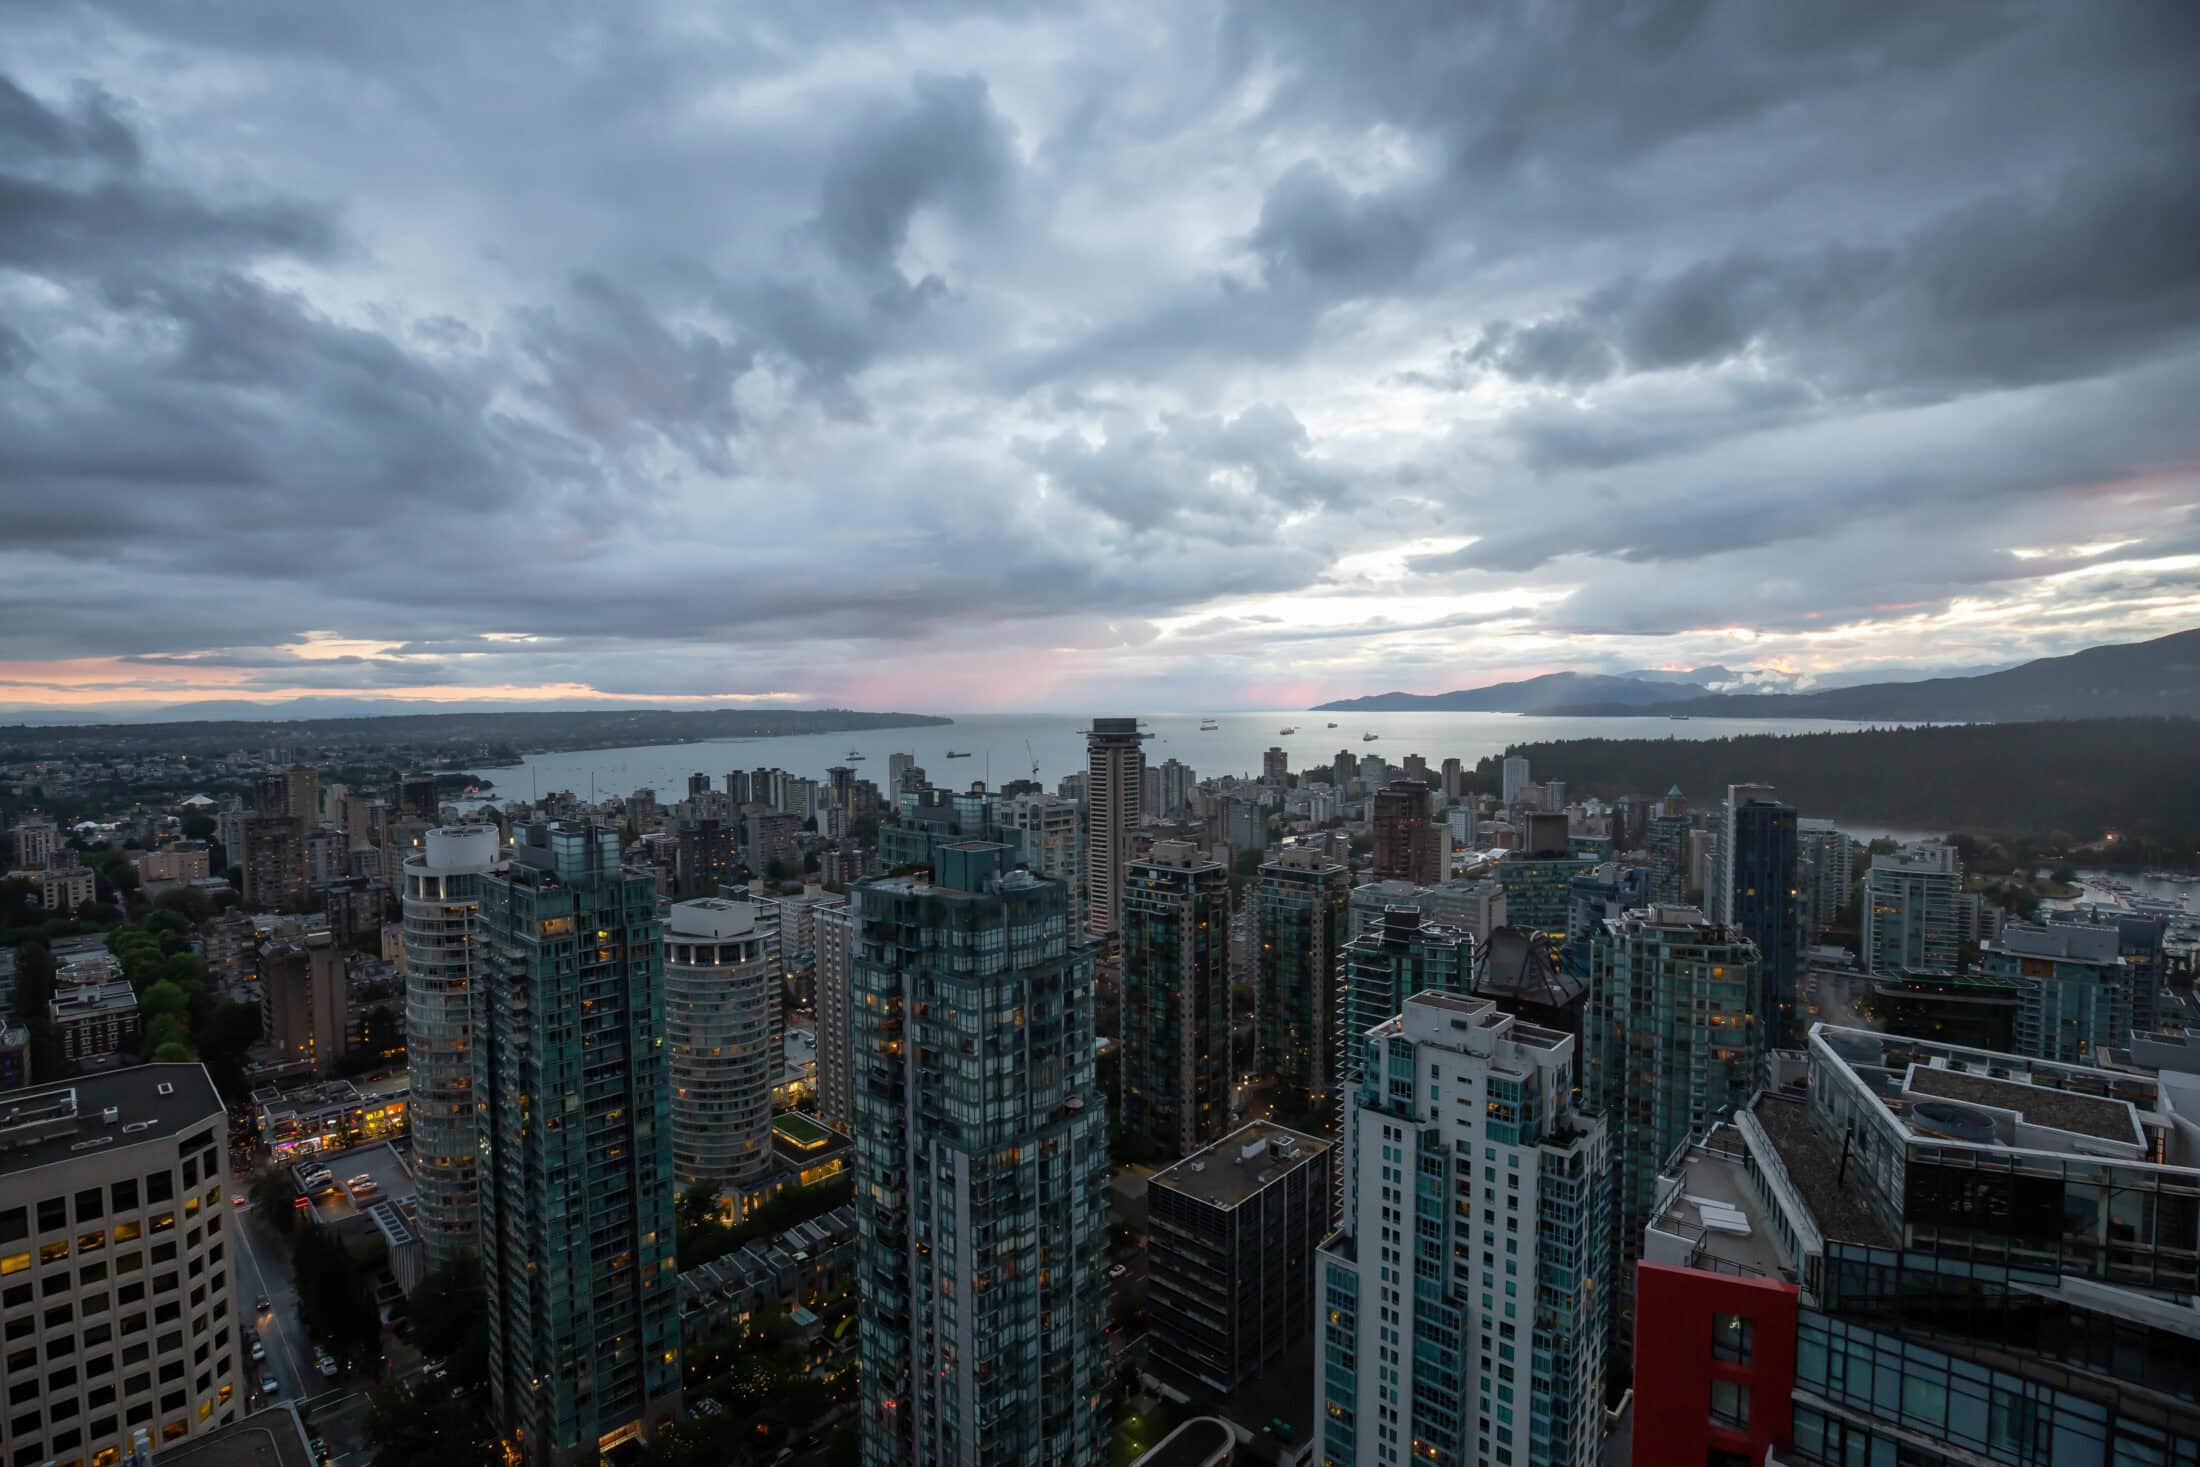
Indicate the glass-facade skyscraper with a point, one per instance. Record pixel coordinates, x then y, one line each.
981 1168
1463 1301
1301 907
1404 954
1671 1040
1760 869
1175 1033
575 1174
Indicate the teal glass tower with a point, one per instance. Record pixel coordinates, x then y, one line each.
1175 1032
1302 907
981 1168
1392 960
1673 1038
575 1133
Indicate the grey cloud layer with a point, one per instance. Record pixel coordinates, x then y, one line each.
722 356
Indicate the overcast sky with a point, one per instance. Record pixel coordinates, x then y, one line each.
1159 356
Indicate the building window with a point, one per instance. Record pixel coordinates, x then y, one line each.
1730 1405
1732 1338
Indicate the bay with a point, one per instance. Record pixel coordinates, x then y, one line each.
1006 746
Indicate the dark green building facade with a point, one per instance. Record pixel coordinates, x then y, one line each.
575 1137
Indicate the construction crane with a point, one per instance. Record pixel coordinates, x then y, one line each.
1034 761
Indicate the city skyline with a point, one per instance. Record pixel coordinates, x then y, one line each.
1241 352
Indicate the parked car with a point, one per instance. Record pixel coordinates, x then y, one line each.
270 1386
1119 1270
259 1352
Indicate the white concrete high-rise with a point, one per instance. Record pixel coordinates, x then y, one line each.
835 1078
442 903
721 1022
1114 786
1474 1224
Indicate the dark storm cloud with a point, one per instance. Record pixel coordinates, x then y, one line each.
722 352
74 201
612 368
1984 296
947 148
1315 234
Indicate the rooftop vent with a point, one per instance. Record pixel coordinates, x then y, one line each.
1952 1122
111 1114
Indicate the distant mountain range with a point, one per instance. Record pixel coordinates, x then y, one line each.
2130 679
524 730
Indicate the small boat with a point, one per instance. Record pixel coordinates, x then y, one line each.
1332 725
1208 725
852 754
1286 730
958 754
1368 738
1678 717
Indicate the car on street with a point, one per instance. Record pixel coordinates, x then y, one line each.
1119 1270
259 1352
270 1386
263 1306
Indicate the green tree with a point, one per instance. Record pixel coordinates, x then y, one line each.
166 1030
425 1428
164 997
450 1316
276 1199
698 1205
171 1052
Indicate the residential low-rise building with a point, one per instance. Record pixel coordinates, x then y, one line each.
803 1266
95 1021
332 1115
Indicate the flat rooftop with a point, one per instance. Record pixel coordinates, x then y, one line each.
1714 1186
267 1438
1815 1170
2083 1115
1223 1176
58 1122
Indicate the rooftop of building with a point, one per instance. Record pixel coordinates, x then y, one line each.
1988 1098
2058 1110
92 1112
2068 941
1714 1210
805 1133
270 1437
711 917
106 996
1815 1171
1241 1163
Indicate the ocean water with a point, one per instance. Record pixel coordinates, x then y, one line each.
1006 746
